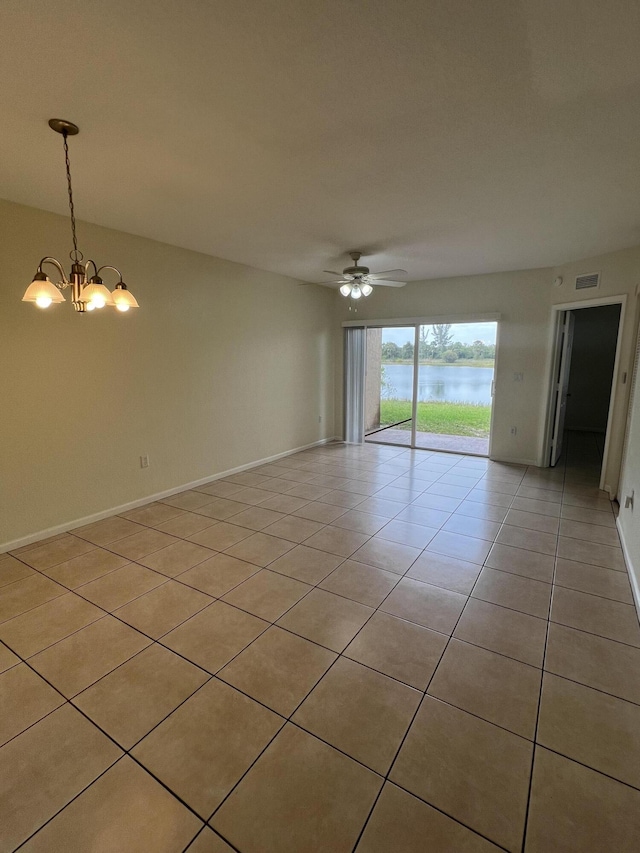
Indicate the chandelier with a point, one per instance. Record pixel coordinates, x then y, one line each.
87 294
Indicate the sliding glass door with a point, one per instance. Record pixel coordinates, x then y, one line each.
430 386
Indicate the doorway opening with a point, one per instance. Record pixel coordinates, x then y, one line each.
430 386
585 363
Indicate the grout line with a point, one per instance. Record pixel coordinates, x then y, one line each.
207 828
289 719
588 767
60 810
409 727
319 454
535 735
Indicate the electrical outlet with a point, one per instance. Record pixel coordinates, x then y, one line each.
518 377
144 461
319 419
514 430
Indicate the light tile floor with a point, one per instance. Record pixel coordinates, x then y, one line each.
353 648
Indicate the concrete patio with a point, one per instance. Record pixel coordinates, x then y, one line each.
431 441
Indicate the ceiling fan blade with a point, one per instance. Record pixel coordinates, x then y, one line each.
333 283
385 282
389 275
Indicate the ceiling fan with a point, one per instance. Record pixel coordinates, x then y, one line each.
357 281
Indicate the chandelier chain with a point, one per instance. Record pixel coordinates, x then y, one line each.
75 254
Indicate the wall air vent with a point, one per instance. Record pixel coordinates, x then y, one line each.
585 282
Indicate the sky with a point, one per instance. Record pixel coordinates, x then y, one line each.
466 333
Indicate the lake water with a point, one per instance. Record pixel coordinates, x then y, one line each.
451 384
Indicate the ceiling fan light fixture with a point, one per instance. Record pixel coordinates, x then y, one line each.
357 280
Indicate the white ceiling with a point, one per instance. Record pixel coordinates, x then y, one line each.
443 137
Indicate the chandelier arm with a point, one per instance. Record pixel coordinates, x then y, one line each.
94 265
109 267
59 267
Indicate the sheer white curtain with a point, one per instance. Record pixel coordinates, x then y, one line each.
354 379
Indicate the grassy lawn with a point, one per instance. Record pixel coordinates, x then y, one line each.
441 418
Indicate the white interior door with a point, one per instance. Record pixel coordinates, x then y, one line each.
562 387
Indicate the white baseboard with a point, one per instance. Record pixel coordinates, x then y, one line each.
98 516
634 579
512 461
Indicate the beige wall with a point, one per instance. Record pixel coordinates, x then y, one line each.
222 365
373 379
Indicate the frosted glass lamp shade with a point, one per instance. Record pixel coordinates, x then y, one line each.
366 289
123 299
356 293
345 290
97 294
42 292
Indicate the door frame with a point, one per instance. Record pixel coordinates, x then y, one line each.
430 320
557 321
565 347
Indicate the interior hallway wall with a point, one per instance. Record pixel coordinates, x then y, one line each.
221 366
629 516
595 335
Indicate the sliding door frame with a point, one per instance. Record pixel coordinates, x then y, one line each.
431 320
414 399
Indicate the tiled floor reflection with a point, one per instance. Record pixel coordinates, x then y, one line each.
356 648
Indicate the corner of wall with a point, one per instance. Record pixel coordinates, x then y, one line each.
632 569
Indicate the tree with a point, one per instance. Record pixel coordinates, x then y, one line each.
387 390
462 350
478 349
391 351
424 348
450 355
442 337
482 350
407 351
